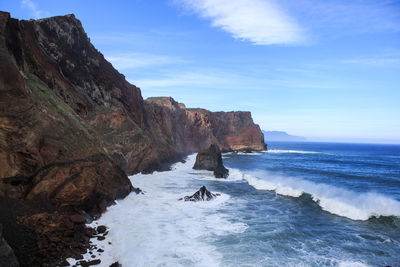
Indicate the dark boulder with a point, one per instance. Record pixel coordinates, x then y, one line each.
210 159
202 195
7 257
101 229
90 263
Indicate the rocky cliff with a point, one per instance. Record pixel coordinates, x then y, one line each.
72 127
190 130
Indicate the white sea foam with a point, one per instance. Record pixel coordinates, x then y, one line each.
249 154
234 175
352 264
227 154
292 151
155 229
339 201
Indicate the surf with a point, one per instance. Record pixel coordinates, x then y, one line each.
155 228
339 201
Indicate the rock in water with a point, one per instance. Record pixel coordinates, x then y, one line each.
7 257
221 172
202 195
210 159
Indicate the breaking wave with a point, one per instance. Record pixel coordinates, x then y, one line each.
338 201
155 229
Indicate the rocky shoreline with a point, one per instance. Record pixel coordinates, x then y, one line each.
72 129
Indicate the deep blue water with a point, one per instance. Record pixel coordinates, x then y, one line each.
313 204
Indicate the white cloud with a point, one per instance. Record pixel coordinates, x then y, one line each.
261 22
141 60
33 7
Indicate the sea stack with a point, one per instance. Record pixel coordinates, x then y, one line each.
210 159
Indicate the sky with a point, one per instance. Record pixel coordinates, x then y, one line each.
325 70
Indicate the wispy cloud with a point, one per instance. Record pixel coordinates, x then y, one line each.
141 60
383 60
261 22
380 62
346 17
217 80
29 4
192 79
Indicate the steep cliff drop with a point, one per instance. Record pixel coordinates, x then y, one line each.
72 127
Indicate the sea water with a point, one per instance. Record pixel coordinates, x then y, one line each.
298 204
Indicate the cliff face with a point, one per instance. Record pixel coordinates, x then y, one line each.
190 130
71 127
48 153
46 149
233 131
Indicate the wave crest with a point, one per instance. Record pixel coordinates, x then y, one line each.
338 201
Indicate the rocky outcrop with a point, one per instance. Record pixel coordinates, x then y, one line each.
202 195
210 159
72 127
7 257
233 131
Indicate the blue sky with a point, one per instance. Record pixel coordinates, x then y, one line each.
326 70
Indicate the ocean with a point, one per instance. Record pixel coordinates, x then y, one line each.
298 204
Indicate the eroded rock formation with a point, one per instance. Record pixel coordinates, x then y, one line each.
211 159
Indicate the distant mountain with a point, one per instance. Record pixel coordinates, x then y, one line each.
281 136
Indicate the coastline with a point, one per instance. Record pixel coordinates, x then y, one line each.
74 128
145 228
163 189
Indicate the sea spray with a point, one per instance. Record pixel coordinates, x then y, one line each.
156 229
